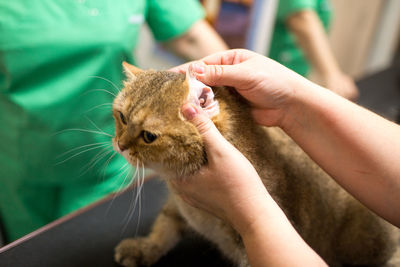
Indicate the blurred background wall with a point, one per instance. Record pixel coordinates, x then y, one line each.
365 34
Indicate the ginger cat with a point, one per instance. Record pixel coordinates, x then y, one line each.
150 129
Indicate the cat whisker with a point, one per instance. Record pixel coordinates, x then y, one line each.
79 153
107 80
123 185
83 130
127 171
101 105
135 179
100 155
140 199
108 162
123 166
100 90
130 182
95 126
79 147
134 199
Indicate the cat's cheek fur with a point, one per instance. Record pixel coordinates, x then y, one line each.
160 169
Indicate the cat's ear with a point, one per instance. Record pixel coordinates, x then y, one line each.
201 94
130 71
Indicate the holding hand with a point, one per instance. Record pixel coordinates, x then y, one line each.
236 194
267 85
232 184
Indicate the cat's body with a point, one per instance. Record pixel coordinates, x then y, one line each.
335 225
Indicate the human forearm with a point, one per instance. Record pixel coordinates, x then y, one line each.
358 148
272 241
199 41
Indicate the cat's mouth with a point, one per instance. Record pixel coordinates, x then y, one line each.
129 156
132 158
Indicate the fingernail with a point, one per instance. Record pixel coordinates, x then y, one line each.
198 69
189 111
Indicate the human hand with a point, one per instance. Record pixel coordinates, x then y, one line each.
228 186
267 85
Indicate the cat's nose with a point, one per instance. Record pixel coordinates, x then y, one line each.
121 147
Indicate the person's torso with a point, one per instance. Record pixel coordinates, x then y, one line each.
284 48
55 60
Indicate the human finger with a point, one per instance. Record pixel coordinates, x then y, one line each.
212 138
214 75
228 57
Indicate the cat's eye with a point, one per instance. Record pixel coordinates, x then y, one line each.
148 137
122 117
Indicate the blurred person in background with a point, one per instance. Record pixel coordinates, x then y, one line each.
60 65
300 42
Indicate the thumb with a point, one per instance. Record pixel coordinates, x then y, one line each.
229 75
209 133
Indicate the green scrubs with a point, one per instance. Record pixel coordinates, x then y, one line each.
283 46
56 59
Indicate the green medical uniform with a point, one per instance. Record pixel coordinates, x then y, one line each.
283 46
56 57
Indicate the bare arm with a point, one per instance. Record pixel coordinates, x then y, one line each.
271 238
358 148
199 41
312 38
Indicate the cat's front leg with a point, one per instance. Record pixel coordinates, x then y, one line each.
165 234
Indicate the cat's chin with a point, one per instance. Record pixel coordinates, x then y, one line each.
168 173
161 170
157 167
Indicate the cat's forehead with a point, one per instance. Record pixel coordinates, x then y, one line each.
152 81
153 93
149 85
144 118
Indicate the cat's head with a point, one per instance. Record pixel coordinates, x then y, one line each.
149 126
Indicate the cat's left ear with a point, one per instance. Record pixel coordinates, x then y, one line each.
201 94
130 71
